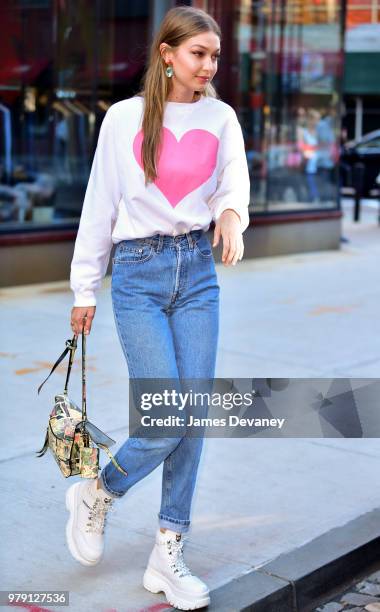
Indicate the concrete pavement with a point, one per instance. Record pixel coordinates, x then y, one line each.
307 315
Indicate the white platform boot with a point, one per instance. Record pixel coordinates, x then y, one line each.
88 507
167 572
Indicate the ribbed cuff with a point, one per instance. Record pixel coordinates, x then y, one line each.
85 298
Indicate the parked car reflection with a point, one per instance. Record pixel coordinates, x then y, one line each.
361 159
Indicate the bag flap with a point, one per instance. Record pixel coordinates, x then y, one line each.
98 436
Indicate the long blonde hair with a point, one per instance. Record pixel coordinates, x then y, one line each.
179 24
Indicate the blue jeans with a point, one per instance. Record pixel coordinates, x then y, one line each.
165 297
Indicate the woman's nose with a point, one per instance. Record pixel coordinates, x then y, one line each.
208 65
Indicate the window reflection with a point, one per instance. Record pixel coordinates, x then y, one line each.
292 64
63 64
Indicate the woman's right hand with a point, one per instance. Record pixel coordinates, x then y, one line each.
82 315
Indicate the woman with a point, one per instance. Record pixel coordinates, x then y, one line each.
308 145
165 294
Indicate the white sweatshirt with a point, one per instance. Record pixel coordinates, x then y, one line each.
202 170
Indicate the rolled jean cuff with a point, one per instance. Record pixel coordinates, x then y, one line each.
107 488
173 524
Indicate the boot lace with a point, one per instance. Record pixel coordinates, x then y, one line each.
97 515
177 563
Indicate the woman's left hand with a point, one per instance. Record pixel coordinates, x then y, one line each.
228 227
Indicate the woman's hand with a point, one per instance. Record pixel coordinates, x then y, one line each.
82 316
228 226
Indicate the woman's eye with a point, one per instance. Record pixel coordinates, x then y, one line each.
215 57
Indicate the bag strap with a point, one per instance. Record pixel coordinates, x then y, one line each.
71 360
112 458
84 401
84 408
71 346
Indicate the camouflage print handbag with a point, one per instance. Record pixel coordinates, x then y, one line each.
73 439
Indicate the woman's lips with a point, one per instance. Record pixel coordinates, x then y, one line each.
204 79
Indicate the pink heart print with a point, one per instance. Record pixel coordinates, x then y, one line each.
185 164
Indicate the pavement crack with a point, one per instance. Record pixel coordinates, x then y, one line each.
289 581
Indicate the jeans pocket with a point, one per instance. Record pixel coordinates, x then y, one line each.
133 251
203 247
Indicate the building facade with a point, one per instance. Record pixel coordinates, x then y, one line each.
361 86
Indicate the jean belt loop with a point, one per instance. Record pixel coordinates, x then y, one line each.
190 240
160 242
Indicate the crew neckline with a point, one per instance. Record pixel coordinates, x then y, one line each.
185 103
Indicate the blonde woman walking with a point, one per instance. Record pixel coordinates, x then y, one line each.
168 161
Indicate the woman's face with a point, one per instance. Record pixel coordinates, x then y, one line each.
195 61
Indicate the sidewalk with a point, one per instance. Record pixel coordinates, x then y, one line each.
306 315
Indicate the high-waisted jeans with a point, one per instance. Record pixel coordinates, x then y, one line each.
165 297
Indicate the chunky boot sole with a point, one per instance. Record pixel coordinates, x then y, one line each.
71 505
155 582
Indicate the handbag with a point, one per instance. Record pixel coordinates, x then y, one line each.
71 437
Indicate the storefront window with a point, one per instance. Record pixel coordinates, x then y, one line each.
290 72
63 64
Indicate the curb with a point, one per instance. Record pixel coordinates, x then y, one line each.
298 580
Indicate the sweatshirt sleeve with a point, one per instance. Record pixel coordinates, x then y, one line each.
233 187
93 242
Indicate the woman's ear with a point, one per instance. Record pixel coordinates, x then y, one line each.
164 52
167 53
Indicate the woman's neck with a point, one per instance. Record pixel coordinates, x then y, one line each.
196 97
